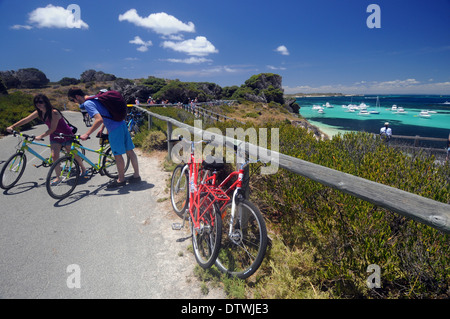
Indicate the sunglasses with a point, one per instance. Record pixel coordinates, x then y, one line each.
40 102
72 99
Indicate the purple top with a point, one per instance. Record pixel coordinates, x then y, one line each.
62 127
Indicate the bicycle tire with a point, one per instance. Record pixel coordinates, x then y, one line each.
70 173
12 170
242 253
206 240
179 190
109 166
135 129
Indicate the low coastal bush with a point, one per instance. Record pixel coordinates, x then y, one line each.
155 140
345 234
14 107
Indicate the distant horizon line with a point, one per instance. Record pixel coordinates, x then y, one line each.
321 94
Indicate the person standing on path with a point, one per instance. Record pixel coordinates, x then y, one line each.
386 132
119 137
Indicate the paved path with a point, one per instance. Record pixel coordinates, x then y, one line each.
112 243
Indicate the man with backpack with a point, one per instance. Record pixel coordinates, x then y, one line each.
106 109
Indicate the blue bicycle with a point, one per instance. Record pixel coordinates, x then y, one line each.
134 120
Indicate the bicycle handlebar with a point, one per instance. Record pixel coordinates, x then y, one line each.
26 136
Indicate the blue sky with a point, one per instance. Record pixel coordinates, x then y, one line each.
316 46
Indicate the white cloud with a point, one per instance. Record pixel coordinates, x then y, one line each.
207 72
143 45
55 17
191 60
19 26
200 46
282 49
271 67
161 23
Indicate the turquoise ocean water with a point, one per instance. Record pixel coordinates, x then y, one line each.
343 113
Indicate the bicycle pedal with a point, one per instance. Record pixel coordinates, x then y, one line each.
177 226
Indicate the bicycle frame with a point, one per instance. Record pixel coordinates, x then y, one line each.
74 151
195 190
25 147
130 124
221 194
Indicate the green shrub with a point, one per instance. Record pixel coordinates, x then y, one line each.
348 234
155 140
14 107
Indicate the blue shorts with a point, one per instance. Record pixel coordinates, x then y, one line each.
64 143
120 140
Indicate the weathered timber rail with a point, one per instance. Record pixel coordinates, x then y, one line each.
421 209
196 110
418 138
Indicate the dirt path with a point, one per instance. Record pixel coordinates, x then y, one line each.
179 281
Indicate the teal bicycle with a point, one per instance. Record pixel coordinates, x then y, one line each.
14 167
64 174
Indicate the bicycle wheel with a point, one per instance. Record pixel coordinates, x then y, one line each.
109 164
135 129
243 251
179 189
68 177
206 238
12 170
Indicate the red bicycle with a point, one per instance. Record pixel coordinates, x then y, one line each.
204 215
244 234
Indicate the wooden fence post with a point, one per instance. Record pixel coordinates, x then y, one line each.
169 136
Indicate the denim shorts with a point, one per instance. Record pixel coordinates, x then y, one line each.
120 140
65 143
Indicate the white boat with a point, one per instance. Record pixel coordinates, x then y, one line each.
328 105
394 107
401 110
321 111
363 112
362 106
316 107
377 105
425 114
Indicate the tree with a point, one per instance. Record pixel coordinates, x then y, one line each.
68 81
155 84
3 90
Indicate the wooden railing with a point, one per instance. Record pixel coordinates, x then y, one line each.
418 138
421 209
196 110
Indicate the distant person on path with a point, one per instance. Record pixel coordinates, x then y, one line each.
56 124
448 149
119 137
386 132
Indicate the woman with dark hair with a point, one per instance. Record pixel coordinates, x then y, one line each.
56 124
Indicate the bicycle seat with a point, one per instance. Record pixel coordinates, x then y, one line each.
213 163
